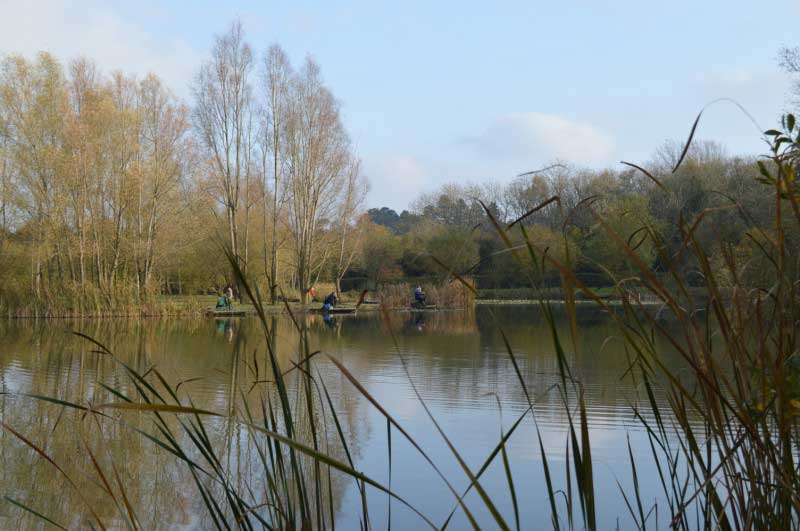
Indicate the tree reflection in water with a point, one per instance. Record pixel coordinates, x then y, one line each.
455 358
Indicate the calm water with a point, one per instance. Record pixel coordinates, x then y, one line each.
457 360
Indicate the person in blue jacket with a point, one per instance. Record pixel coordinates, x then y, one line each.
419 296
329 302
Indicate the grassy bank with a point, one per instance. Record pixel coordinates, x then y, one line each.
398 296
609 293
66 306
530 294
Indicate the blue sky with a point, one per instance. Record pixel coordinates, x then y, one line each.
436 92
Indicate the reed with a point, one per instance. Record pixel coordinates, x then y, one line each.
448 294
738 344
74 300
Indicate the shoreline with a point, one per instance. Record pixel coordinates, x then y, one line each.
247 310
528 302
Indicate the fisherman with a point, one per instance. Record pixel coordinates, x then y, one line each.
419 296
313 294
330 301
223 303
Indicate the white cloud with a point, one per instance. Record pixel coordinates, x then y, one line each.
92 29
532 138
509 145
395 180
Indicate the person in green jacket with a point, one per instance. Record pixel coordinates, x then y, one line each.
224 302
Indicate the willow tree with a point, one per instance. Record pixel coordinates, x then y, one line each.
319 156
223 119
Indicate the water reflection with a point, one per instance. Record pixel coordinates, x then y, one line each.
457 360
419 321
225 328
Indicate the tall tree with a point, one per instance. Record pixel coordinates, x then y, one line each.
277 74
223 119
348 232
34 99
5 181
165 150
319 156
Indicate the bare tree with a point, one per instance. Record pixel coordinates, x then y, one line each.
83 82
789 60
165 148
318 158
348 232
123 148
277 74
223 119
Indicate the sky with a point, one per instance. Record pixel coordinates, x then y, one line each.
446 91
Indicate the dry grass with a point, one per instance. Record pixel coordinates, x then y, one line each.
451 294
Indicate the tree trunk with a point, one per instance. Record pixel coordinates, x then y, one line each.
273 275
232 233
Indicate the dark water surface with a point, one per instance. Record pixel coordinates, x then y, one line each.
457 360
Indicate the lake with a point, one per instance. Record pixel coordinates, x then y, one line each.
457 361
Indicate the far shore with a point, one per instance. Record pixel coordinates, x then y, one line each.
526 302
203 305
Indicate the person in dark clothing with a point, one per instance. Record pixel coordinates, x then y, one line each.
419 296
329 302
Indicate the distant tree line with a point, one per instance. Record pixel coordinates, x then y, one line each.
452 225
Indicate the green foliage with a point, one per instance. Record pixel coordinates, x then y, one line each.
725 189
429 241
380 253
629 217
398 224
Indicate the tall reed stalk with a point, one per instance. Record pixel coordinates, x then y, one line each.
738 346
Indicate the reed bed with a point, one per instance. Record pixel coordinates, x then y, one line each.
448 294
73 301
739 375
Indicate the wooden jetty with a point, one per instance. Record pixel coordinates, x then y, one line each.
426 308
228 313
333 311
